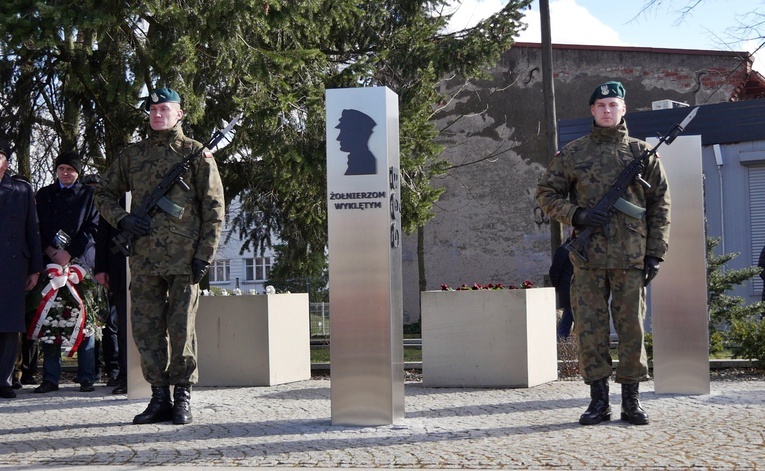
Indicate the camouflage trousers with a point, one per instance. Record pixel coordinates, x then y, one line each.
591 291
163 312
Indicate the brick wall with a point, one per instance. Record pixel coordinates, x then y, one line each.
487 228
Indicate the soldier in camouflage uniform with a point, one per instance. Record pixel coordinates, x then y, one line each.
170 255
623 255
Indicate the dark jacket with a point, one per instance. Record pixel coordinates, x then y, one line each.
107 260
71 210
560 273
19 250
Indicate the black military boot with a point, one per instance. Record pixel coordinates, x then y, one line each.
631 410
182 407
160 407
599 409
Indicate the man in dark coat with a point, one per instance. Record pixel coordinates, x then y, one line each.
111 271
21 263
67 205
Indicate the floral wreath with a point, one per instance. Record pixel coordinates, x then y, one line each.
68 310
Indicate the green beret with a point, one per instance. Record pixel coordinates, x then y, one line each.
608 90
162 95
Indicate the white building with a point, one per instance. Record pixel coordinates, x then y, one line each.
233 268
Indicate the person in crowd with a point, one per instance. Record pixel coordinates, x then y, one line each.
623 255
108 346
560 273
111 272
67 205
170 255
22 263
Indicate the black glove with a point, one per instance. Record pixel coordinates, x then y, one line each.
134 225
590 217
650 268
198 270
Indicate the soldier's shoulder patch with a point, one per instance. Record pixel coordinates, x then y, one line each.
208 154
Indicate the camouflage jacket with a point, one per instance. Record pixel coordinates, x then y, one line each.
582 172
172 242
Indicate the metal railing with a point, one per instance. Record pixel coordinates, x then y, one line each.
318 316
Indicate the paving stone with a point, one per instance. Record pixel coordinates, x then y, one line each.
289 426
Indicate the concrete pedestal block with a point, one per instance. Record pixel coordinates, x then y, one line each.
489 338
259 340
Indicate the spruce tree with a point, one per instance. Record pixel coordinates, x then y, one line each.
734 325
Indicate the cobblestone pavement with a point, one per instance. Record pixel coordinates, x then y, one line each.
290 426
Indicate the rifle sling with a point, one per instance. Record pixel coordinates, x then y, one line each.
624 206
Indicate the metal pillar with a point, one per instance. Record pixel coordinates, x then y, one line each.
364 216
679 316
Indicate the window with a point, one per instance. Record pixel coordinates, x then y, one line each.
220 271
257 269
249 269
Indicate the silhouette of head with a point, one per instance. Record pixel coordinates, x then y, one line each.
355 130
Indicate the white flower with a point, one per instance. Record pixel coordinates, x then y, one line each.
63 312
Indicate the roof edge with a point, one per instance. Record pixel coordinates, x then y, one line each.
655 50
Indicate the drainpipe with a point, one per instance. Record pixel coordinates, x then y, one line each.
719 160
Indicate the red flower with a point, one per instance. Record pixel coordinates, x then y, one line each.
476 287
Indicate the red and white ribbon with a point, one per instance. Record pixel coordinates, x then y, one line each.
66 276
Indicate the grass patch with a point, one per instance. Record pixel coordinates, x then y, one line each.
321 355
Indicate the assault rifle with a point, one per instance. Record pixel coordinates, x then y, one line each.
157 200
613 198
